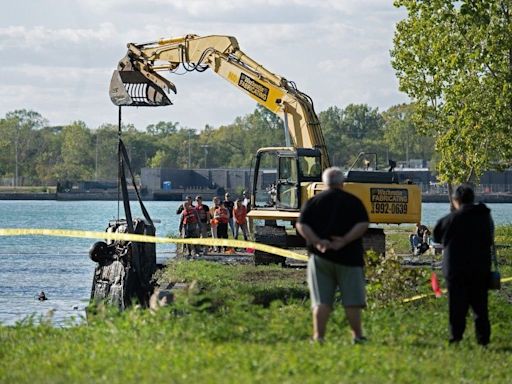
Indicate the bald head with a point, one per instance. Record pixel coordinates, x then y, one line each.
333 177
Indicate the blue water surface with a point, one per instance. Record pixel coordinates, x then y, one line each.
60 266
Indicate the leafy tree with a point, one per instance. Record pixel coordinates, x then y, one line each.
173 150
337 141
162 128
17 139
104 151
349 131
454 59
49 153
235 145
402 137
141 148
360 121
77 159
5 148
161 159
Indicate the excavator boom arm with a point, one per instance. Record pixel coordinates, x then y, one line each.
222 55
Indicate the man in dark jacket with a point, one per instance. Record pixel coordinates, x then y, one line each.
467 235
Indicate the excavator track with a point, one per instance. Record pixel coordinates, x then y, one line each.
270 235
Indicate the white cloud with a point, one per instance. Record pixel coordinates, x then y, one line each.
59 61
333 65
38 36
374 63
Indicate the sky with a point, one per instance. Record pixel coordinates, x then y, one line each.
57 56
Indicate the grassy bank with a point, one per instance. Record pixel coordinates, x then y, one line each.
248 324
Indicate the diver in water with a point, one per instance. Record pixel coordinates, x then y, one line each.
42 296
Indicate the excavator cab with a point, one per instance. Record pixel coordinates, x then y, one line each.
281 180
280 174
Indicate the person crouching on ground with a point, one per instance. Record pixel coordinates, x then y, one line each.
333 223
222 216
240 214
467 236
419 240
190 224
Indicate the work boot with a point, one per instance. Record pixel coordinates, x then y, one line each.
359 340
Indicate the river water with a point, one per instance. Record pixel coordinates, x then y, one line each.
61 267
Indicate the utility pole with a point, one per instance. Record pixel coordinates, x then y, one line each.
189 153
16 154
403 123
96 163
205 146
407 150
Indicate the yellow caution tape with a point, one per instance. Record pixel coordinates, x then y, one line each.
151 239
167 240
418 297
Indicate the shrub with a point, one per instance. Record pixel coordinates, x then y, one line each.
389 281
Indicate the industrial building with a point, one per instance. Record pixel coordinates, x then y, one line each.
174 184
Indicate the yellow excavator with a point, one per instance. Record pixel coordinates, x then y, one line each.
284 177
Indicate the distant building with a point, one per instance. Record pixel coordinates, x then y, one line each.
174 184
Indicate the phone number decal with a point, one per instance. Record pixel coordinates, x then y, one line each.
389 201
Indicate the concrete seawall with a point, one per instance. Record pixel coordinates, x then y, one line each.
27 196
112 196
485 198
62 196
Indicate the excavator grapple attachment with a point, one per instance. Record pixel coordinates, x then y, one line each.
133 88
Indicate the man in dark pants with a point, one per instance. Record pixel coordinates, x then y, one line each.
466 235
229 205
333 223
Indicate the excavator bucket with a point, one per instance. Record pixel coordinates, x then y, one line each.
132 88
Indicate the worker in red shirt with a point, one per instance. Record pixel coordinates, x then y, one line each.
222 216
189 226
240 216
203 211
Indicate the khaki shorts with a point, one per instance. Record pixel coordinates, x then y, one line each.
324 277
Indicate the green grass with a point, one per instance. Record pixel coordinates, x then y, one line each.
236 324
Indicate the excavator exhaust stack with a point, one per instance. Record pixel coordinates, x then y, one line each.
133 88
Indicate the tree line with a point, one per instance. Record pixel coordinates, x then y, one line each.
36 153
